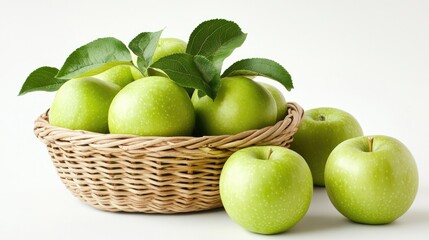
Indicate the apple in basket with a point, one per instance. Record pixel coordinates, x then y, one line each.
164 47
152 106
168 46
240 104
120 75
279 99
266 189
83 104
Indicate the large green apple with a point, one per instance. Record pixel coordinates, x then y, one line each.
83 104
152 106
120 75
241 104
280 100
371 180
168 46
266 189
320 131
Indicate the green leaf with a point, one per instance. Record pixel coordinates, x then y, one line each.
215 39
95 57
144 45
42 79
208 71
156 72
142 65
260 67
183 69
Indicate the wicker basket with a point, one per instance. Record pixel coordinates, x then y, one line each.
130 173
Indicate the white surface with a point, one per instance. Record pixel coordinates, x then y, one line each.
369 58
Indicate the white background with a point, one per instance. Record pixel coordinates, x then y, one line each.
370 58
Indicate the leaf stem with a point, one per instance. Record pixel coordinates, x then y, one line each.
371 143
270 151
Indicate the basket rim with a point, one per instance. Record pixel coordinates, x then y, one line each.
293 107
48 133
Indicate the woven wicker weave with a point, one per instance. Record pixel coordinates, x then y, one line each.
151 174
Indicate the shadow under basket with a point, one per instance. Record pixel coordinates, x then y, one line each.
128 173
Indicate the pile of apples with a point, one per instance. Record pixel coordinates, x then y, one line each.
167 87
369 179
164 86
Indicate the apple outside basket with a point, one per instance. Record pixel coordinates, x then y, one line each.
128 173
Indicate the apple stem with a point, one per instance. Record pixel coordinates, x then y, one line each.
270 151
371 143
322 117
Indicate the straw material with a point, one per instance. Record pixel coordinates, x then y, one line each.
130 173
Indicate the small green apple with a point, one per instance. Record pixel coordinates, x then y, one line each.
320 131
83 104
135 72
152 106
280 100
120 75
241 104
168 46
371 180
266 189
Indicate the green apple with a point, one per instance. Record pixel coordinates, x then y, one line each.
152 106
320 131
241 104
83 104
120 75
135 72
165 47
371 180
280 100
266 189
168 46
